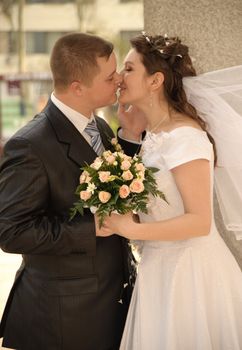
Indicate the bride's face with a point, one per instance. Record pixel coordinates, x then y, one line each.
135 85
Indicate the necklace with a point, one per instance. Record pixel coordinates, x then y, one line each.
158 124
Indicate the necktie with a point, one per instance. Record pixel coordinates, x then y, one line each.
96 141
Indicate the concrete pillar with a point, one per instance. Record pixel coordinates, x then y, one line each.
213 31
211 28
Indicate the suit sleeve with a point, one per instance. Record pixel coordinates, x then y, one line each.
24 196
130 148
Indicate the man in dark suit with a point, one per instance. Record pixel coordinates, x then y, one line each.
70 292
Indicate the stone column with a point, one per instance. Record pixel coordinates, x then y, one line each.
211 28
213 31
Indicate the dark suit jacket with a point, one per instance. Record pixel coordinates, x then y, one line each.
67 291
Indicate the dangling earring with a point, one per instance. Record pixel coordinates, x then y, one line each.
151 100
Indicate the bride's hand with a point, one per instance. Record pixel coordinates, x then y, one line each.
132 122
122 225
101 231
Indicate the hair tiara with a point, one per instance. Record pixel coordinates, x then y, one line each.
162 51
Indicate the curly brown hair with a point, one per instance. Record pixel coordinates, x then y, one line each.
169 56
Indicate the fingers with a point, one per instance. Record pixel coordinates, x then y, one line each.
104 232
121 109
131 110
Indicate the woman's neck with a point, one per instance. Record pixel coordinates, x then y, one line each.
158 117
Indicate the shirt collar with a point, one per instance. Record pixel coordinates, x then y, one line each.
76 118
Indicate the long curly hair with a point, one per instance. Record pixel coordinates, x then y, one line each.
168 55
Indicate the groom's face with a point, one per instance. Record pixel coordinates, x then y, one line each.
102 91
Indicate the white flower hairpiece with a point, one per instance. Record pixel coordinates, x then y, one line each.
146 36
167 43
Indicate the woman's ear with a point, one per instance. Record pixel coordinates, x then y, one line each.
157 80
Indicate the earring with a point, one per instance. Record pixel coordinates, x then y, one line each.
151 100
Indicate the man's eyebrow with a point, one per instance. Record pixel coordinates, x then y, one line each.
129 62
112 73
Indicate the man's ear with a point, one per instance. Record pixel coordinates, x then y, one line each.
76 88
157 81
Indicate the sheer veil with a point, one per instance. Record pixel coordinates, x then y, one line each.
217 97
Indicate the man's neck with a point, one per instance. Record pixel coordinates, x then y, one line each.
72 103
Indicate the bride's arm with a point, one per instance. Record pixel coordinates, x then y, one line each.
193 182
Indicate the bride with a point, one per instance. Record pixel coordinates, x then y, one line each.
188 292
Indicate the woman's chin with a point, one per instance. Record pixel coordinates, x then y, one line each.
123 99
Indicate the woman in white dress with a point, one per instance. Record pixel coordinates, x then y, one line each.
188 292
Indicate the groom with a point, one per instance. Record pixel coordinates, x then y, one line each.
69 292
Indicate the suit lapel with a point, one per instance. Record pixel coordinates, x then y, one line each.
78 149
106 133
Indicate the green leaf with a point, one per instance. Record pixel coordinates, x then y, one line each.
153 169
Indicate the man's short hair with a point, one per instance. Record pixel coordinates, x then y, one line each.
74 57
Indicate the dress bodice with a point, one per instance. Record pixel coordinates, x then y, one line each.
165 151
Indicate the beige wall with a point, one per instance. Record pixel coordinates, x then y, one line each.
211 28
213 31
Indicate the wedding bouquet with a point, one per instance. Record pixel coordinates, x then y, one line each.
115 182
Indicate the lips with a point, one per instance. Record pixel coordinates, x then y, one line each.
122 88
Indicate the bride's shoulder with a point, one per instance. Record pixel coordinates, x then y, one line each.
187 141
184 122
186 132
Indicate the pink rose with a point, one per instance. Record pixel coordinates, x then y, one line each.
126 157
104 196
106 154
127 175
104 176
110 159
85 177
125 165
124 191
139 167
85 195
136 186
88 179
114 141
82 178
97 163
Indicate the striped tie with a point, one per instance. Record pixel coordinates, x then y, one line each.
96 141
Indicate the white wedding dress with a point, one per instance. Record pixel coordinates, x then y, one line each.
188 294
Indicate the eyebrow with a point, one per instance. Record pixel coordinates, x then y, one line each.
129 63
112 73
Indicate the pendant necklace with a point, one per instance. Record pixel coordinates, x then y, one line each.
157 125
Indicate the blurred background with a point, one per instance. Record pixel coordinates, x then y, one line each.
28 30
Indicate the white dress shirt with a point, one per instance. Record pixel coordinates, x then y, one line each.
77 119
